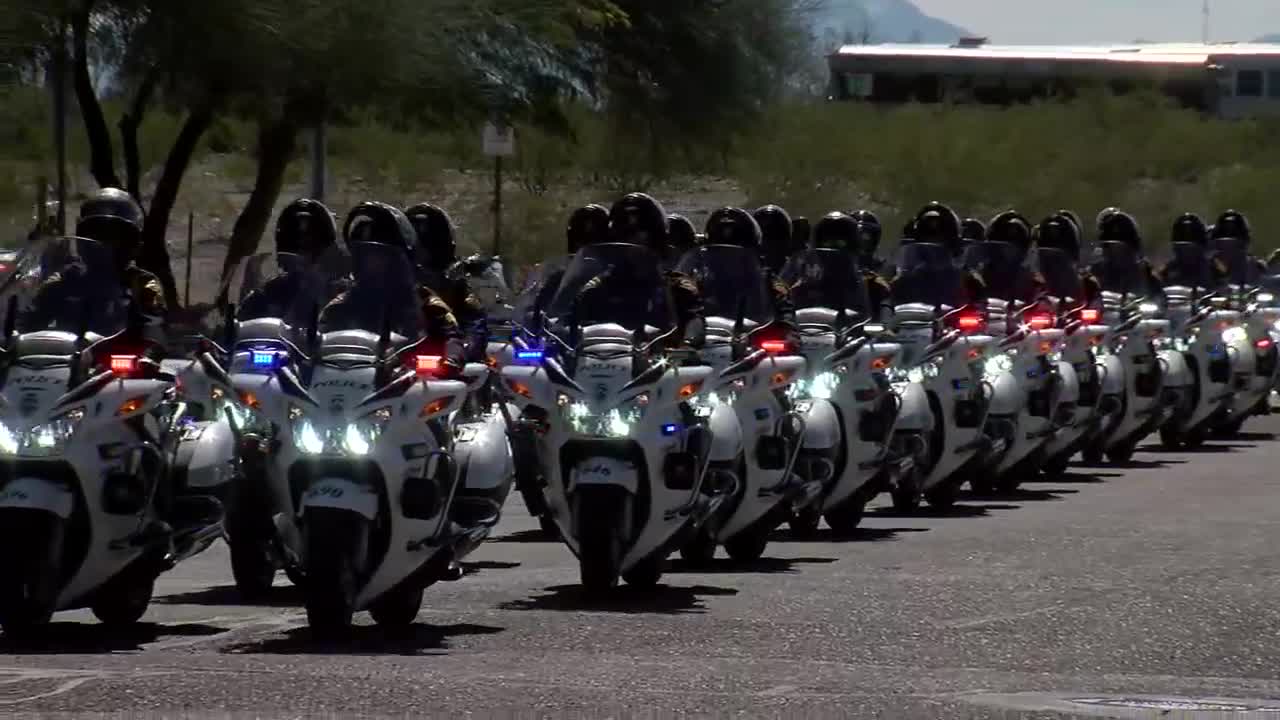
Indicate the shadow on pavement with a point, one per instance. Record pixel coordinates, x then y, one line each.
1083 478
280 596
471 568
859 535
92 638
1254 436
1022 494
967 510
362 640
525 536
627 600
1209 448
764 565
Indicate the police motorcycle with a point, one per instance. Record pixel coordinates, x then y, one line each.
376 482
1198 319
845 398
758 435
623 454
1028 384
1267 300
486 278
1254 352
943 396
113 464
1082 376
1134 369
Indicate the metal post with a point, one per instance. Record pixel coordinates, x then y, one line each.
497 206
42 207
318 161
59 87
191 235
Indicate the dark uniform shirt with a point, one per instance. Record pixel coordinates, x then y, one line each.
438 322
291 297
452 287
65 289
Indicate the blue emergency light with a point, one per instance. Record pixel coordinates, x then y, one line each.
670 429
264 358
529 355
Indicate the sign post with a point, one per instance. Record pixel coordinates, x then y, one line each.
499 141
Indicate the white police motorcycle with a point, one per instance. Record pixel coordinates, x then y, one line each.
112 461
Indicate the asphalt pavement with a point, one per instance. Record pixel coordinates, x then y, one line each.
1147 591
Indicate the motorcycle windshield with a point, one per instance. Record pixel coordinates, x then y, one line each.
628 289
1061 276
383 293
1117 268
731 281
1000 265
1189 266
287 286
1234 256
926 274
488 283
826 278
70 284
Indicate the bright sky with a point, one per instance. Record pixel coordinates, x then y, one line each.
1107 21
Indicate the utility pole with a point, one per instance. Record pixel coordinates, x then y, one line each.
58 85
319 163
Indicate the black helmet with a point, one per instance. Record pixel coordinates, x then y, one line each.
909 230
306 227
1011 227
378 222
973 230
801 233
437 248
776 235
588 225
733 226
937 223
113 218
870 232
1104 214
837 231
638 218
681 234
1189 228
1120 226
1059 232
1232 224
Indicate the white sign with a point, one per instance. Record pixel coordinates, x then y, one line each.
499 141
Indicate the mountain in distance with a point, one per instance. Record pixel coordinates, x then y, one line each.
1273 38
878 21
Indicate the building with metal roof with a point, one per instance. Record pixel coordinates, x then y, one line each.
1228 79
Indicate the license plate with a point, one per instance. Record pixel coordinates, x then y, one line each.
341 494
606 471
37 494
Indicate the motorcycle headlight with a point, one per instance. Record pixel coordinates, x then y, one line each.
1265 298
44 440
1162 343
1235 336
997 365
354 438
614 423
822 386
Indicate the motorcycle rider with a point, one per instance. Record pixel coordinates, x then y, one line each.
305 229
436 256
777 237
1189 229
801 233
112 218
588 225
735 226
973 230
938 224
844 232
683 236
1021 284
867 247
1233 225
639 219
1115 225
385 282
1061 232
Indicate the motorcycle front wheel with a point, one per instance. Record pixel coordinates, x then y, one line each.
332 539
600 514
29 579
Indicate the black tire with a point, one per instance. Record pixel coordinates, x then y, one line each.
805 521
747 546
646 573
398 608
29 580
942 496
701 548
1092 453
296 576
1231 429
600 545
845 519
1054 468
905 498
1170 438
1195 438
981 484
1009 483
550 531
124 600
332 539
1122 453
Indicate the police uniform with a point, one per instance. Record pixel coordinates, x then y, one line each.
452 287
438 322
145 291
686 299
280 297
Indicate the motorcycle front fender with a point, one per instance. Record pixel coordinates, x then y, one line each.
37 494
1069 388
1176 372
822 426
1007 395
1113 376
483 453
914 414
726 433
